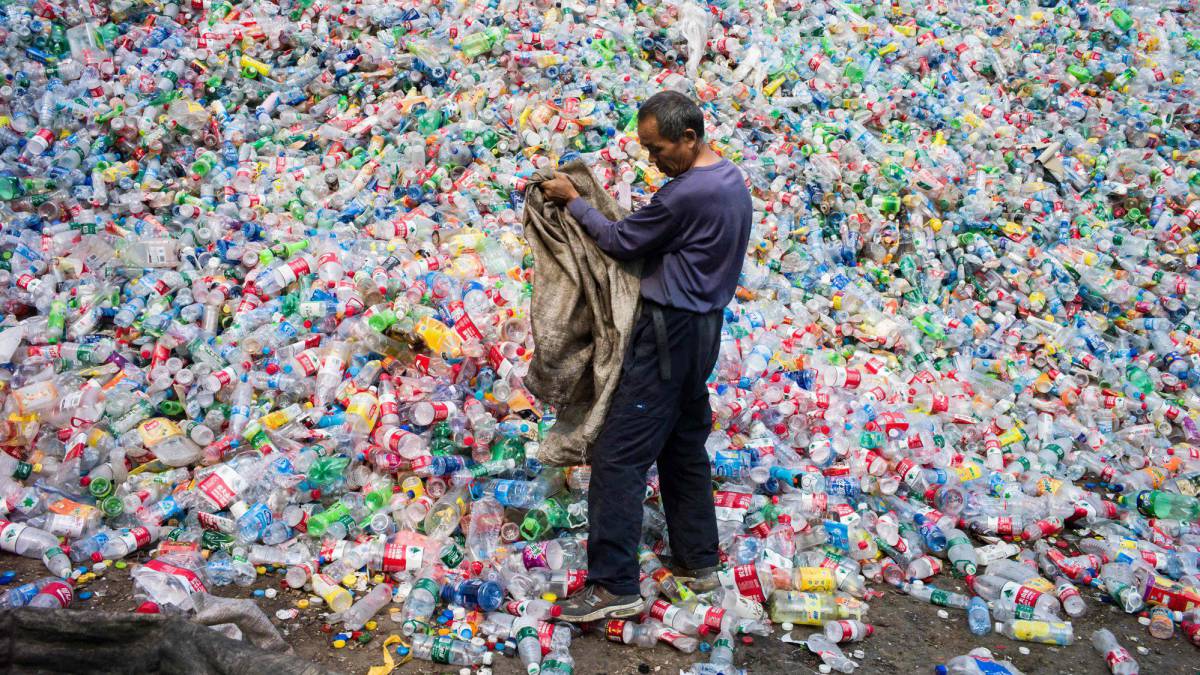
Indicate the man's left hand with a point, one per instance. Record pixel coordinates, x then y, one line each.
559 189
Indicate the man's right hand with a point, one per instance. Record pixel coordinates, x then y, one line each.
559 189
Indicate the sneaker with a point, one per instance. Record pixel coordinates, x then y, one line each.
596 603
701 580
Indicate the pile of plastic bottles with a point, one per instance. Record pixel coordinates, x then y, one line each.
264 295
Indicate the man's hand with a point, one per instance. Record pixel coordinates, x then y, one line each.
559 189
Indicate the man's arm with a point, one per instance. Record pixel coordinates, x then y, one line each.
642 232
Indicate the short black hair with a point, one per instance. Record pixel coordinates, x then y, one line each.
675 113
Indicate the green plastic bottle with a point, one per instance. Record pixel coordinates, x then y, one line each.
1121 19
1168 505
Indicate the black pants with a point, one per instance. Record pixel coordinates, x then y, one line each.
660 413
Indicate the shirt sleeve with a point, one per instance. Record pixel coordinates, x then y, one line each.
641 233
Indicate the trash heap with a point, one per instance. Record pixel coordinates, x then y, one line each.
264 295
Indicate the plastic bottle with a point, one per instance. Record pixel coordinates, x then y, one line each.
831 655
978 661
444 649
1046 632
1120 662
979 619
19 596
529 649
34 543
420 604
57 594
848 630
367 606
1026 602
335 596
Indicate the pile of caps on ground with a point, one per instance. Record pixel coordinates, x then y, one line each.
264 310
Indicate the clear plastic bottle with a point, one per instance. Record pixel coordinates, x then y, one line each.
1119 660
57 594
367 606
978 661
831 655
1046 632
445 649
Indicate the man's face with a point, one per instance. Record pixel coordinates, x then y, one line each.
671 157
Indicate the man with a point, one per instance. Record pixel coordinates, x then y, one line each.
692 238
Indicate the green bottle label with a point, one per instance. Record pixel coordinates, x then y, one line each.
441 649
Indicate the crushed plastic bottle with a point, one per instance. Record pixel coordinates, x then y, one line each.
266 302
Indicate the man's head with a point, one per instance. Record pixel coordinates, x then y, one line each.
671 128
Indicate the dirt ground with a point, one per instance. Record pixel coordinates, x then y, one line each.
910 637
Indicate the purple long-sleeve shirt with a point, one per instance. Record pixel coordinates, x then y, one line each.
692 237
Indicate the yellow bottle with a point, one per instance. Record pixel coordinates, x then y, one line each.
337 598
440 338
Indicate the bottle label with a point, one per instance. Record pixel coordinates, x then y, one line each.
907 467
68 518
1023 598
60 591
545 633
556 666
1046 632
399 558
222 486
332 550
732 505
939 596
534 555
388 405
614 630
987 666
809 610
365 407
1118 655
745 577
441 649
663 611
575 581
849 631
1033 631
215 523
170 547
442 410
452 555
307 363
671 637
428 585
463 325
191 578
1002 525
713 617
51 553
258 517
527 632
814 579
136 537
156 430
